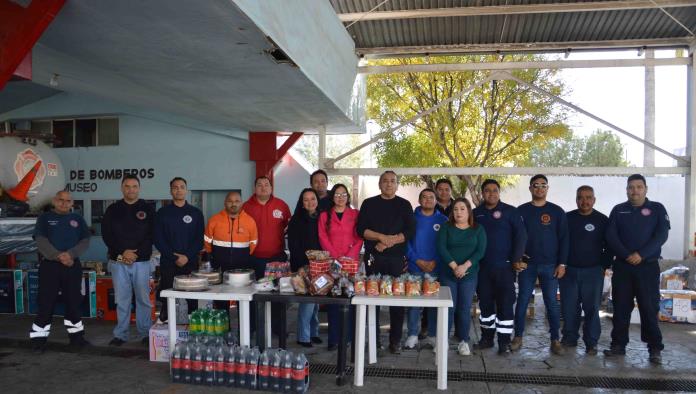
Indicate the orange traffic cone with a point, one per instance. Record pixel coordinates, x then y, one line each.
20 191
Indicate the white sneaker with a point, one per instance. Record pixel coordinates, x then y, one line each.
430 341
463 348
411 342
159 322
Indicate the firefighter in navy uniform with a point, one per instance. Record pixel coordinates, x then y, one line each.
636 231
507 238
61 237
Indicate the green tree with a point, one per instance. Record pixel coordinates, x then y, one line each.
600 149
308 147
494 125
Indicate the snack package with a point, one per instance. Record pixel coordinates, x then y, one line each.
321 285
359 284
298 284
285 285
264 284
372 285
313 255
348 265
319 267
347 287
385 286
336 289
430 285
675 278
335 269
399 286
413 286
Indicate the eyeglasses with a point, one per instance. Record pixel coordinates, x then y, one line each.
341 195
540 186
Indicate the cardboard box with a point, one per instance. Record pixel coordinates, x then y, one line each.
88 291
11 291
677 306
159 340
106 302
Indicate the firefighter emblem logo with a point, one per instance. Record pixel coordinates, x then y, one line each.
589 227
141 215
24 163
546 219
74 223
645 212
497 214
188 219
436 226
277 213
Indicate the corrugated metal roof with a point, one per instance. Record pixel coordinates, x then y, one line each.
646 26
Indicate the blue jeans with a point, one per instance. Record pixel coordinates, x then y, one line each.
307 322
463 295
581 291
549 288
128 280
413 323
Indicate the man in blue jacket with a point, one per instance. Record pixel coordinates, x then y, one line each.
496 280
179 230
547 250
636 232
422 258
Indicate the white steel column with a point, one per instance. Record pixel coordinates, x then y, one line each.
690 187
322 147
649 119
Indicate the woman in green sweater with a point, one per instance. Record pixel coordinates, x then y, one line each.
461 244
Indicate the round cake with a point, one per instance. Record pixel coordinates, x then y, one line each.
239 277
213 277
190 283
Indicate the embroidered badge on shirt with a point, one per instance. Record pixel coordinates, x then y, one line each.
436 226
545 219
141 215
74 223
188 219
497 214
645 212
589 227
277 213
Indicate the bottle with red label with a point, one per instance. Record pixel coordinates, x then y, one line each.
220 365
176 363
286 373
264 372
197 364
209 366
252 368
274 376
230 366
241 372
300 374
186 364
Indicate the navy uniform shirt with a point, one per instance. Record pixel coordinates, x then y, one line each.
129 226
505 232
547 233
640 229
64 232
588 246
179 230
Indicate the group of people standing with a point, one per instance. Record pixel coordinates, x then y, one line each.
489 250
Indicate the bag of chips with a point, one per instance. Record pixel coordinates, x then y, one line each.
385 286
413 286
359 284
399 286
430 285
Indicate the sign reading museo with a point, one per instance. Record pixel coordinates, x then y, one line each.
78 177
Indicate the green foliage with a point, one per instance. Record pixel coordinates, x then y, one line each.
494 125
601 149
308 147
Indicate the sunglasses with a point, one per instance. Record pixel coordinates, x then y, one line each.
540 186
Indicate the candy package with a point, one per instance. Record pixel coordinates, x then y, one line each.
321 285
399 286
372 285
413 286
359 284
430 285
385 286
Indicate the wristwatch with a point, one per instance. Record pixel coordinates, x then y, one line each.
119 258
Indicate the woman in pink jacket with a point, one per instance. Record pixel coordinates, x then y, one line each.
338 236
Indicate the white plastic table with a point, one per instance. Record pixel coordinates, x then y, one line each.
441 301
218 293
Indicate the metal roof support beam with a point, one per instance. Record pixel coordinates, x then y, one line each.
552 64
330 163
679 159
690 186
385 52
581 171
516 9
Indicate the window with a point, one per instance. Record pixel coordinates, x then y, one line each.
80 132
98 209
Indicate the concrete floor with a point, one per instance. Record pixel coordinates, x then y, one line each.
102 369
